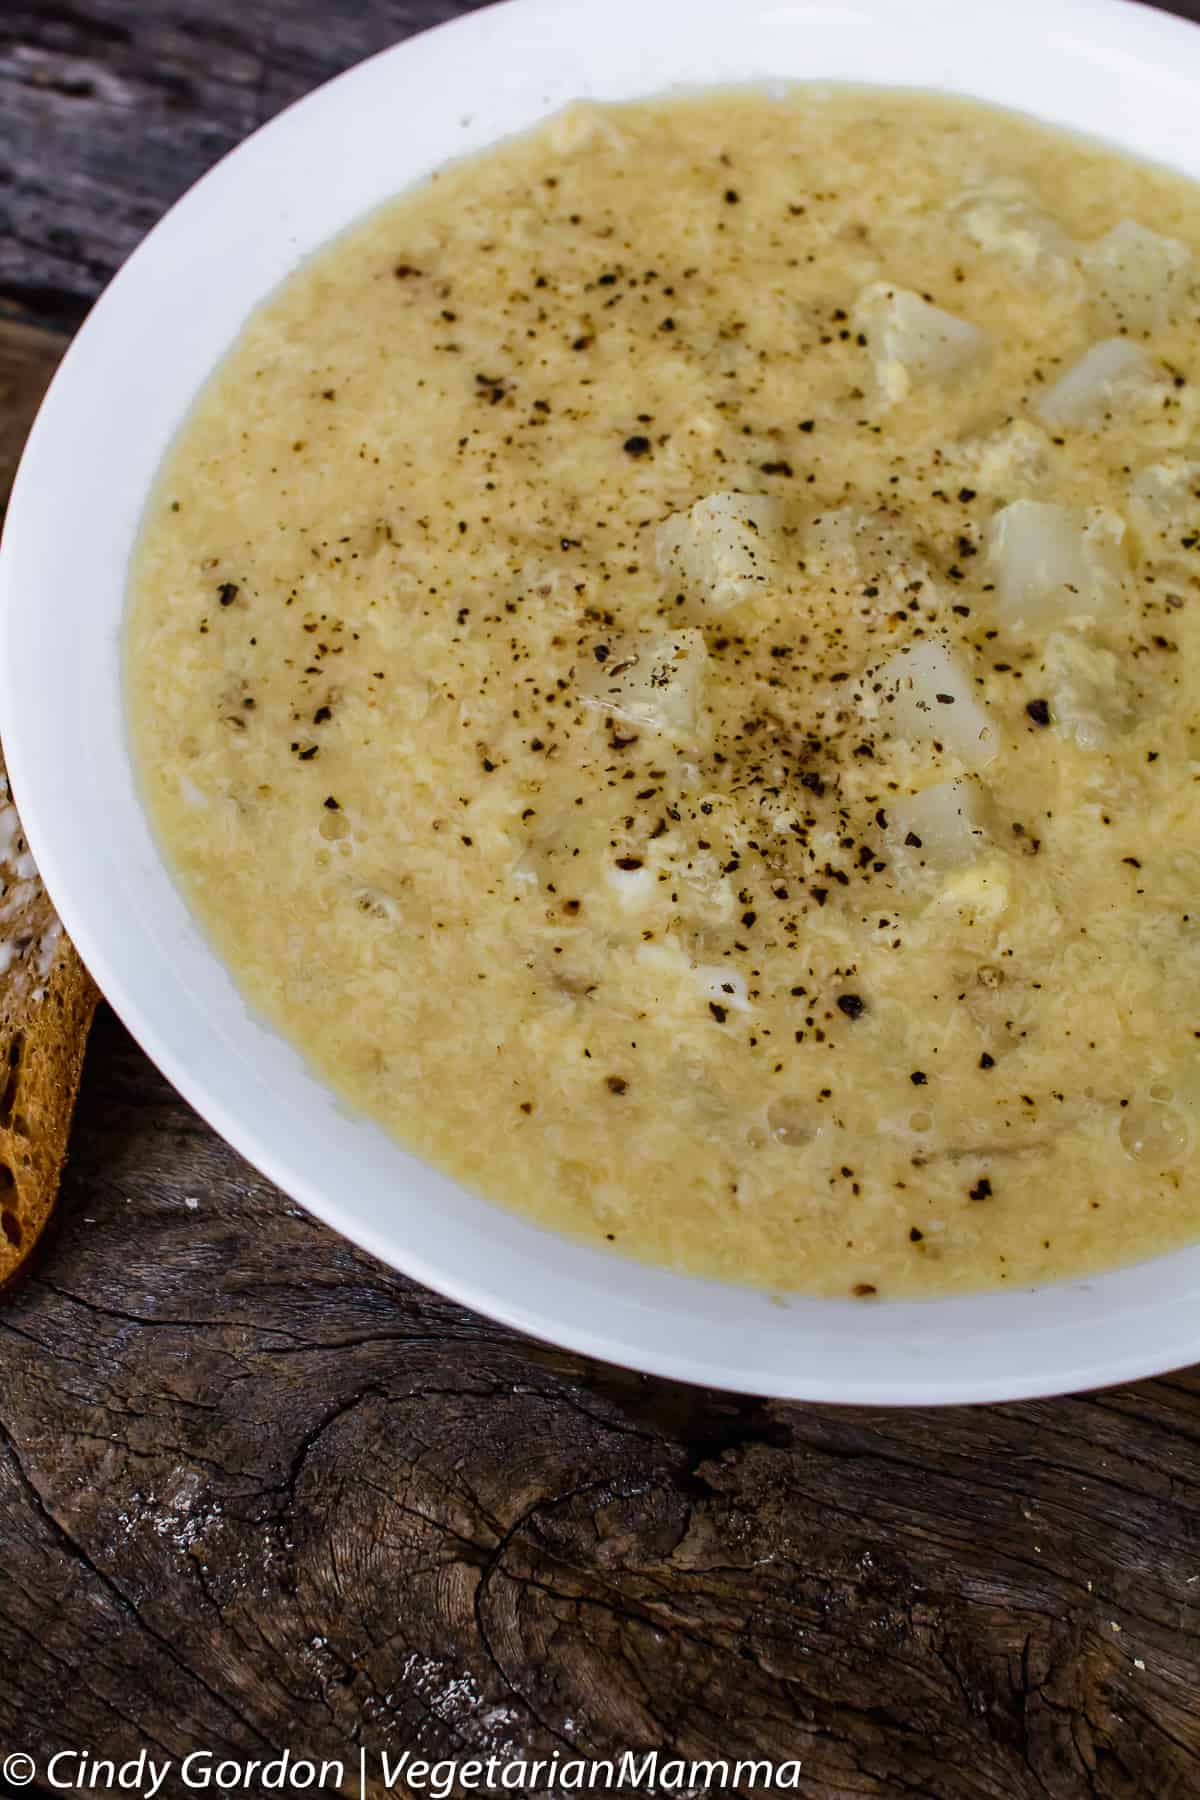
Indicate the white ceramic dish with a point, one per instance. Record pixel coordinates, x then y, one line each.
1104 66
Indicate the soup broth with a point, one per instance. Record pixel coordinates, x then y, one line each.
666 660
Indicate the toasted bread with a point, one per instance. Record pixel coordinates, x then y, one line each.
46 1003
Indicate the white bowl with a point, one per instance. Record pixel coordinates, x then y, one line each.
1114 69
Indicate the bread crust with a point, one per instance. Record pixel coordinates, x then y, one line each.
47 999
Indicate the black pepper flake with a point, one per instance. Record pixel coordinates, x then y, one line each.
629 862
527 1106
912 840
332 804
600 652
808 424
1039 711
966 495
732 196
307 755
637 445
987 1061
852 1005
863 1290
919 1078
488 765
748 919
616 1084
1132 861
915 1236
322 713
227 593
781 467
719 1013
820 895
982 1189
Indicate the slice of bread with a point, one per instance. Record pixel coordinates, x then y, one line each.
47 999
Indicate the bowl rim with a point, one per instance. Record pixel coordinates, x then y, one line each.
82 482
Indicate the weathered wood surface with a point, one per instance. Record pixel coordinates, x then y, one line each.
110 109
257 1491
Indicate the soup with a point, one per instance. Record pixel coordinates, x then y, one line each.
665 658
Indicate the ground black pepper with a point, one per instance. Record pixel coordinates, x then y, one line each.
786 792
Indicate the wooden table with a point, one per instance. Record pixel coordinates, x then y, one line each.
257 1491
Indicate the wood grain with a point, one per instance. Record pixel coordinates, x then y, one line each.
28 358
110 109
257 1490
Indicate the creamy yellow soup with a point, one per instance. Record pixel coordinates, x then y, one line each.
666 661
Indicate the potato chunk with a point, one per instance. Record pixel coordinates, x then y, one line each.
1164 509
910 338
942 827
654 680
720 551
926 697
1141 279
1090 697
723 986
1004 219
1166 500
1108 373
1052 563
